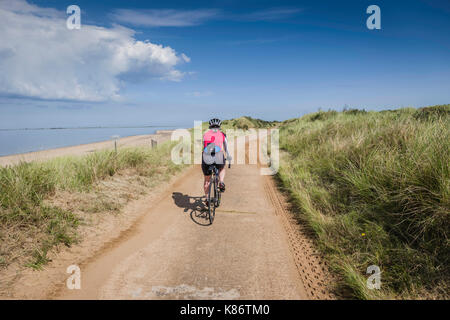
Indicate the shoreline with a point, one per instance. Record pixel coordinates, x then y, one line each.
137 140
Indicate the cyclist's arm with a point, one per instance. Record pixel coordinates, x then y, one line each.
225 146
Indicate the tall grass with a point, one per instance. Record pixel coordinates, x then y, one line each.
374 188
24 215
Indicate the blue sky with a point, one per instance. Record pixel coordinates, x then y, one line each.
271 60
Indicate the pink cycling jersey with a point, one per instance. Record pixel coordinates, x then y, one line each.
217 137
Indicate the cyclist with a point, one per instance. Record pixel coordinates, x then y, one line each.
214 145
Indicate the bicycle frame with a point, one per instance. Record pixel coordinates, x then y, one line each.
214 193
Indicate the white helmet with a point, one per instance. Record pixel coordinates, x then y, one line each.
215 123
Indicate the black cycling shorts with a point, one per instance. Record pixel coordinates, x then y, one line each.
207 170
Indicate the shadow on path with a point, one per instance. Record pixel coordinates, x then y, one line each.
194 206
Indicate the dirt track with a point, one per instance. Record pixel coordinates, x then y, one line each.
245 254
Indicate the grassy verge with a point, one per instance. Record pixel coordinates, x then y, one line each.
374 188
30 225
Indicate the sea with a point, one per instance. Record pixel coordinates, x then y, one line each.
15 141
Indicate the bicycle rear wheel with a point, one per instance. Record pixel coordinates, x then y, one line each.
212 200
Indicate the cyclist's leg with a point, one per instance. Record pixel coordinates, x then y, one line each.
221 177
222 174
221 168
206 183
207 178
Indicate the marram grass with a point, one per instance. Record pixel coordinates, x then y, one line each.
374 189
26 218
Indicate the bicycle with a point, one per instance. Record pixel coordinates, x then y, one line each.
214 202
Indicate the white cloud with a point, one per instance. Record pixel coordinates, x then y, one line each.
163 17
187 18
270 14
185 58
198 94
41 58
24 7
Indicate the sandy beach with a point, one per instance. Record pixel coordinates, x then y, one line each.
133 141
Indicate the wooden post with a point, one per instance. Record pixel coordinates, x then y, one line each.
115 137
154 143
